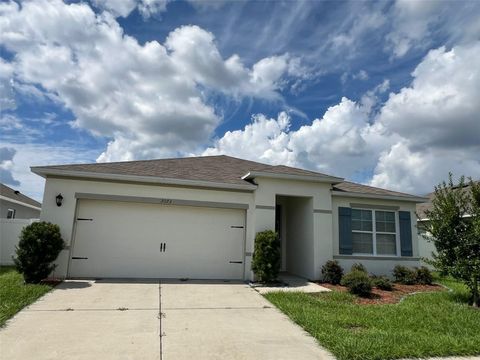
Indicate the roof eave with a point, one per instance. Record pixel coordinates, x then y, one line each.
322 179
414 199
45 171
15 201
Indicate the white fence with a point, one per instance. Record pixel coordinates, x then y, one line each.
10 230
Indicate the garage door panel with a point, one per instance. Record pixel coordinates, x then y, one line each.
123 240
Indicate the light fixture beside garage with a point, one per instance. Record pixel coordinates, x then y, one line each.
59 199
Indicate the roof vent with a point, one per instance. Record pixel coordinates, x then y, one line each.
16 192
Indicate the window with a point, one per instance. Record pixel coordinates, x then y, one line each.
11 214
374 232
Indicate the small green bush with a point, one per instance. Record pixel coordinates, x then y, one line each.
404 275
358 267
358 283
332 272
266 256
423 276
383 283
39 245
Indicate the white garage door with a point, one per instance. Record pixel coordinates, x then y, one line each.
141 240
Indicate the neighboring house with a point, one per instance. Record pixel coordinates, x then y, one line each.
15 205
197 218
16 211
425 247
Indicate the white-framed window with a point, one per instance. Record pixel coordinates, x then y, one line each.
375 232
11 213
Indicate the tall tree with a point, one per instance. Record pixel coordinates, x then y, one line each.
454 228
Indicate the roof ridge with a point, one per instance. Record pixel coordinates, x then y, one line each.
252 162
136 161
311 171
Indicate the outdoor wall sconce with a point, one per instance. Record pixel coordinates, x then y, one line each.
59 199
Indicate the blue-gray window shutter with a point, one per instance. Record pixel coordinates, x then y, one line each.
405 233
345 230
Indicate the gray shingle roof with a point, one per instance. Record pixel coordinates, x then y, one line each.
347 186
216 169
222 168
10 193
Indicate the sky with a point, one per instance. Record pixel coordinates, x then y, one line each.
382 93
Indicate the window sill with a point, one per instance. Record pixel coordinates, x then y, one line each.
372 257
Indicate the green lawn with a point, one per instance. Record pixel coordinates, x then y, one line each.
423 325
14 295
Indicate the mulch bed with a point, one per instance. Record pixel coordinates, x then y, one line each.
51 282
380 297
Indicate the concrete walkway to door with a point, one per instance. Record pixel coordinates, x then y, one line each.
164 320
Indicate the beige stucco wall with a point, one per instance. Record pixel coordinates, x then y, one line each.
64 215
318 225
381 265
425 248
265 196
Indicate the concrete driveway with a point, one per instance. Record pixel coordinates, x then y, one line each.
154 320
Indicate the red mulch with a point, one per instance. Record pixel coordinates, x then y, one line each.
380 297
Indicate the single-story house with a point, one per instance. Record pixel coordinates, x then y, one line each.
197 218
15 205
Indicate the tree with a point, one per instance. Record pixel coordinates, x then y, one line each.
454 228
39 245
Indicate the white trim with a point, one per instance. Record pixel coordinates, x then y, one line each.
19 202
312 178
415 199
144 179
161 201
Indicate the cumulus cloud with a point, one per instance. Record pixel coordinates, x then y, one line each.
440 108
342 142
418 171
148 99
123 8
409 143
263 139
6 165
437 120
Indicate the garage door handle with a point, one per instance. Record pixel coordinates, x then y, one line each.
79 258
236 262
163 247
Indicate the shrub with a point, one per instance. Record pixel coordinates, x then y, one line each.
383 283
358 283
39 245
404 275
266 256
358 267
332 272
423 276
